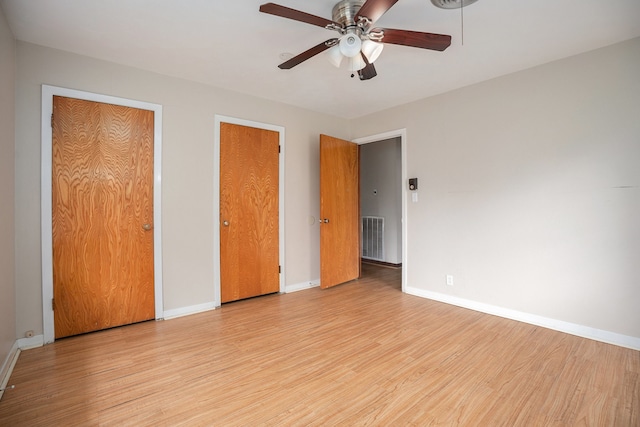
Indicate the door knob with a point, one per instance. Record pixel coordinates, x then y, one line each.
326 220
146 227
225 223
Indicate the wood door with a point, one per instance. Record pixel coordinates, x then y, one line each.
339 211
102 207
249 212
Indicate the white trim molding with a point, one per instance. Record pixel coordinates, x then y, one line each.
302 286
216 197
31 342
7 367
532 319
48 92
186 311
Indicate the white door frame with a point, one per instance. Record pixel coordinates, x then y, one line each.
48 92
402 134
216 198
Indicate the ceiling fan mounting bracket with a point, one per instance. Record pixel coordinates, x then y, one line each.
364 23
375 36
332 42
335 27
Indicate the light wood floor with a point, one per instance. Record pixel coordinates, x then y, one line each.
359 354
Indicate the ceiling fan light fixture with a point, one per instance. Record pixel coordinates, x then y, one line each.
452 4
356 63
350 45
335 56
371 50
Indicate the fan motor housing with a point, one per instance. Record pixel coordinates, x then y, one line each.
344 12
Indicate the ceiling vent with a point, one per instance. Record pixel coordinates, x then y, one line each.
452 4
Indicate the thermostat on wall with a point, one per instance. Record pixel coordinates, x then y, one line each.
413 184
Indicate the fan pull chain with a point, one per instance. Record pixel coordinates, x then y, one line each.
462 21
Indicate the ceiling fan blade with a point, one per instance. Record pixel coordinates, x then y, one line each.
374 9
296 15
307 54
414 38
367 72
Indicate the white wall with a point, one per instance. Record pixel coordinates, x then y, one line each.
529 183
7 192
381 170
187 182
530 189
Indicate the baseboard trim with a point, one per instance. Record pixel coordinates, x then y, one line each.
7 367
186 311
302 286
380 263
545 322
32 342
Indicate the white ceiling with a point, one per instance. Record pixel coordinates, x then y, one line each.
230 44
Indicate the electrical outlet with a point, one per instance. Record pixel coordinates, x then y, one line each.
449 280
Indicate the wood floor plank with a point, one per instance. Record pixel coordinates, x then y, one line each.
362 353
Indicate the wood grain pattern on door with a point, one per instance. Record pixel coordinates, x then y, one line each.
339 211
102 207
249 212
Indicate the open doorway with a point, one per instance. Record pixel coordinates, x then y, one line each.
382 206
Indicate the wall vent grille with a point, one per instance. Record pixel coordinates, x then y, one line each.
373 238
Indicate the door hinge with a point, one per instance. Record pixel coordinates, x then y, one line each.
53 304
51 119
279 269
278 149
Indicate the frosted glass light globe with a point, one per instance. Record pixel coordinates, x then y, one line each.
350 45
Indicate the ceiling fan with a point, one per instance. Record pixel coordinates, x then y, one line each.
358 42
